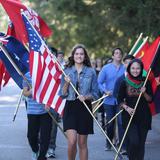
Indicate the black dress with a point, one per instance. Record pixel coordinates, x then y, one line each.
130 95
77 117
141 122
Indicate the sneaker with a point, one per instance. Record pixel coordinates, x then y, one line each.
50 153
34 156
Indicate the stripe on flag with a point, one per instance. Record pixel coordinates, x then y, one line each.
45 72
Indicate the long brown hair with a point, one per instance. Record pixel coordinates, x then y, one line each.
86 61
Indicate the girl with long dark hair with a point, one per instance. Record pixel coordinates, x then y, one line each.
77 121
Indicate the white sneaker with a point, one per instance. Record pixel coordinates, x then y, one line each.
50 153
34 156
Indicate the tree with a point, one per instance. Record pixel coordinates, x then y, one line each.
4 19
101 25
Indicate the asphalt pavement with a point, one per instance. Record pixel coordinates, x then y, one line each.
14 144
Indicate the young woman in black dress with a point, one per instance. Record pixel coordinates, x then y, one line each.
128 94
77 121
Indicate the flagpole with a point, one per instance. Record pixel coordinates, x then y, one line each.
149 71
50 112
21 74
132 116
139 57
10 59
140 46
114 117
56 123
97 107
13 63
94 119
94 107
18 105
140 36
55 60
104 96
90 112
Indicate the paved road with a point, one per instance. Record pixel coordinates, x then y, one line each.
14 145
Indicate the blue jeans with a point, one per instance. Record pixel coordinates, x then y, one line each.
120 129
110 113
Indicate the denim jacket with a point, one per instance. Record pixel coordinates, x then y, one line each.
87 83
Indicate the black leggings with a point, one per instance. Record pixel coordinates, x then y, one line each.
39 127
135 142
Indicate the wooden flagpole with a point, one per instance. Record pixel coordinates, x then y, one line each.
21 74
56 123
125 133
114 117
18 105
104 96
55 61
140 36
140 46
13 63
97 107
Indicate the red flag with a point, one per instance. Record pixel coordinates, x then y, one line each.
151 59
1 73
4 75
147 54
154 107
154 49
13 9
155 68
12 32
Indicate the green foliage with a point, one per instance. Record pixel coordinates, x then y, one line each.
101 25
3 20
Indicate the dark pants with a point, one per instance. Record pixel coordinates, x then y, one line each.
53 137
120 129
135 142
110 113
102 114
39 126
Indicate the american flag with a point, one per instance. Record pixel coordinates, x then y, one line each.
44 71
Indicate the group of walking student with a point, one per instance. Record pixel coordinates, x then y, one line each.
121 79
